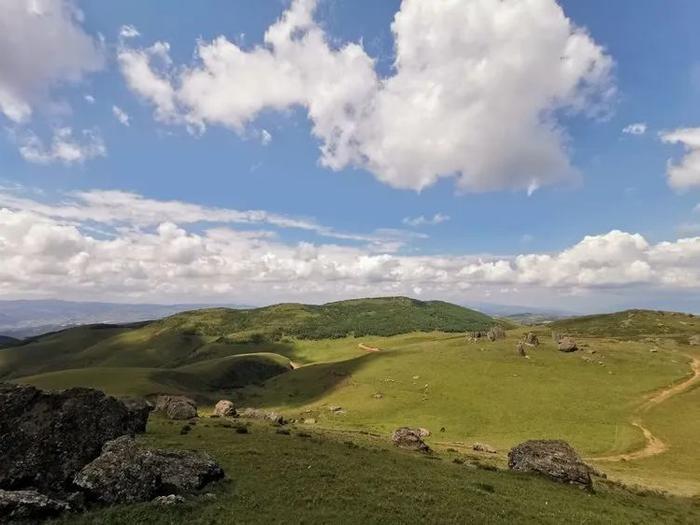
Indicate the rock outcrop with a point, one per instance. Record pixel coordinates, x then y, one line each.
410 439
47 437
531 339
554 459
567 344
225 408
694 340
126 472
256 413
176 407
29 505
140 409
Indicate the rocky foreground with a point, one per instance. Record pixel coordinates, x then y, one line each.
69 450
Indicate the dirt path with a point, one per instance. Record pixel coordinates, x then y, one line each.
654 445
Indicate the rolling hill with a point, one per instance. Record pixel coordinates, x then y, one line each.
207 338
631 324
7 341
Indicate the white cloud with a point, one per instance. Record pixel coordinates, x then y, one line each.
265 137
42 45
118 209
172 262
476 100
128 31
64 148
421 220
121 115
639 128
89 99
686 173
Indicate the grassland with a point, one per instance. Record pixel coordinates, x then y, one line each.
314 476
463 392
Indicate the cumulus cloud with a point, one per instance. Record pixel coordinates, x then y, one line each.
65 147
475 92
265 137
421 220
170 262
121 115
639 128
42 45
686 173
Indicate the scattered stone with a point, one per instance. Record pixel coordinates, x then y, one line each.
47 437
140 409
225 408
169 500
256 413
567 344
177 407
654 350
531 339
555 459
694 340
378 395
483 447
309 421
409 438
29 505
126 472
521 349
415 378
424 432
335 408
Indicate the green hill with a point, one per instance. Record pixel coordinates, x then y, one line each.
7 341
207 343
631 324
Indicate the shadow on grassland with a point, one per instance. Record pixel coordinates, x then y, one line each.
308 383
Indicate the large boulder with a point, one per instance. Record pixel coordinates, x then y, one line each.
225 408
29 505
140 409
694 340
409 438
555 459
567 344
496 332
176 407
126 472
531 339
47 437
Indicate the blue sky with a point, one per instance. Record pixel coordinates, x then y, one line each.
507 141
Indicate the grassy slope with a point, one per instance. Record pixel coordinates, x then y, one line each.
207 380
319 479
215 333
479 391
632 324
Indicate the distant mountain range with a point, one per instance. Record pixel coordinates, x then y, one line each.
27 318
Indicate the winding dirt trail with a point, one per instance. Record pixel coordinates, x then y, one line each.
654 445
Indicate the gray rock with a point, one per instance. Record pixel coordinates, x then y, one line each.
140 410
554 459
169 500
225 408
47 437
567 344
694 340
531 339
409 438
483 447
126 472
256 413
177 407
29 505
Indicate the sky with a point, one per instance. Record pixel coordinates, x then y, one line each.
517 152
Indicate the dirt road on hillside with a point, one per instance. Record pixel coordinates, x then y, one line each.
654 445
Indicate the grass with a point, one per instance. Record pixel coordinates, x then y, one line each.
326 478
632 324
